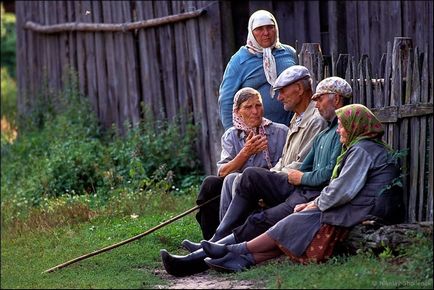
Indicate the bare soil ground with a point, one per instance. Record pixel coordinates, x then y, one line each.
205 280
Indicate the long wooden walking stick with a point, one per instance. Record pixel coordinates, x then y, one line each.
108 248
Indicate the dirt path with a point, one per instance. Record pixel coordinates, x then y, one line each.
205 280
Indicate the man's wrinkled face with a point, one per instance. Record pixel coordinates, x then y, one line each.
290 96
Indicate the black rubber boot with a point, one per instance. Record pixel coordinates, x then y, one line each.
238 211
191 246
181 266
231 262
219 249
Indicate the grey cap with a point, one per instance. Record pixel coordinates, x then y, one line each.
333 85
290 76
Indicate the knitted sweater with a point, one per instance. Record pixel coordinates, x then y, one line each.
246 70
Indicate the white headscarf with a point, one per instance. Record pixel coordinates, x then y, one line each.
261 18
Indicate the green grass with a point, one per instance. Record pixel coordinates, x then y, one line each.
29 248
26 254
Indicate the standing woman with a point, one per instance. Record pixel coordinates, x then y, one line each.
362 185
257 65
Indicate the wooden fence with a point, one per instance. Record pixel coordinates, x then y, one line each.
401 96
168 55
126 53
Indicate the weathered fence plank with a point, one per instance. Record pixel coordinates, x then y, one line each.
104 111
195 80
212 61
112 73
168 62
132 95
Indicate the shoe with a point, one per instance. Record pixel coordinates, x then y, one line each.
191 246
229 263
181 266
214 250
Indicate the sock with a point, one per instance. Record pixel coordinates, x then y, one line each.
249 257
239 249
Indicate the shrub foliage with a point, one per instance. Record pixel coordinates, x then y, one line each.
61 151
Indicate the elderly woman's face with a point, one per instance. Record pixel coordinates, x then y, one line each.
251 111
265 35
342 133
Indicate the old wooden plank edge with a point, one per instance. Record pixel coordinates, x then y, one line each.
391 114
113 27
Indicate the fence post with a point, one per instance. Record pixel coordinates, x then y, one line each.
401 52
311 57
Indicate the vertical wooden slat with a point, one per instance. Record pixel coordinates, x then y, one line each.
63 44
374 34
368 81
421 152
133 97
426 126
168 65
363 26
299 28
154 63
146 39
112 69
429 176
313 29
284 13
413 170
352 31
213 71
387 75
181 57
260 5
196 89
81 53
354 83
72 37
120 67
90 66
104 112
311 56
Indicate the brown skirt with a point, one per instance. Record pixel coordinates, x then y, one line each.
322 245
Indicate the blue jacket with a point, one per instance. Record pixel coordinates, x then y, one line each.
245 70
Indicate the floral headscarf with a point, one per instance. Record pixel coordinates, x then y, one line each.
260 18
360 123
239 123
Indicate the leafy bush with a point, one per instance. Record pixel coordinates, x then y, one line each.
61 151
7 41
8 96
155 151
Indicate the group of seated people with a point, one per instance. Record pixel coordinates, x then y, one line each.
295 190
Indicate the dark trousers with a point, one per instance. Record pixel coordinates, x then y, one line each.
208 215
279 196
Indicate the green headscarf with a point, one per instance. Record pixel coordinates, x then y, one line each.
360 123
